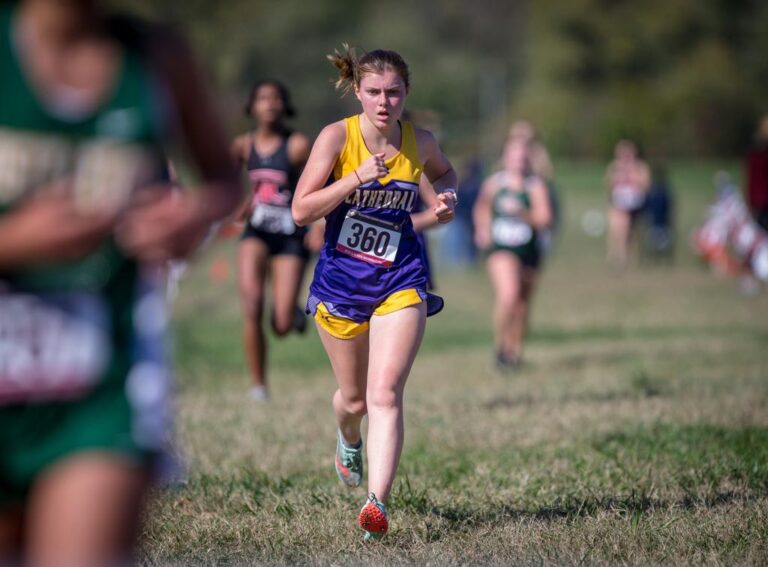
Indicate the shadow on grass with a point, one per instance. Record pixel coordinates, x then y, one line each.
639 389
628 506
448 337
708 465
526 401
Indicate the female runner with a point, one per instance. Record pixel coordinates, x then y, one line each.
512 206
271 241
86 220
628 179
368 296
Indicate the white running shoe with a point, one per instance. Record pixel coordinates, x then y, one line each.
258 393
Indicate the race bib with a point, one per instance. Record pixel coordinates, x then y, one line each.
369 239
51 347
511 231
273 219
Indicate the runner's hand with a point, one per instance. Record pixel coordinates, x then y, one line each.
372 168
163 225
446 204
51 227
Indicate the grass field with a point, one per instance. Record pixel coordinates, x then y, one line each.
637 432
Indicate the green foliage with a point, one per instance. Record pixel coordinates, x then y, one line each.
446 44
685 77
682 77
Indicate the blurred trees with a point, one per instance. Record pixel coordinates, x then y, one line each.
684 77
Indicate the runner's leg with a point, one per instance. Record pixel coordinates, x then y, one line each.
395 339
84 511
252 263
349 359
287 275
505 269
521 310
618 237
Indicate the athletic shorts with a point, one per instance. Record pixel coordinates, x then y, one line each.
279 244
346 321
529 256
34 437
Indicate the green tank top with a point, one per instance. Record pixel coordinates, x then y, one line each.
108 154
509 231
77 314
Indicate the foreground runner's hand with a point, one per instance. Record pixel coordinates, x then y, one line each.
164 225
51 228
372 168
446 205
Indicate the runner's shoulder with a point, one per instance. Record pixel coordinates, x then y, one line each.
298 147
333 137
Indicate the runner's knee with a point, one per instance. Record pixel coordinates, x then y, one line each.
384 397
354 405
253 303
507 299
282 323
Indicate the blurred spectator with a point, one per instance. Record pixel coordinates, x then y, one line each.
659 213
627 179
730 240
757 175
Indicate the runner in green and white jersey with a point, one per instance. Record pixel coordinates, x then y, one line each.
512 206
86 222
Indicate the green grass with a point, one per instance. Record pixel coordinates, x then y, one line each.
636 433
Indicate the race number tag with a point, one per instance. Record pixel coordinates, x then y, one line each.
273 219
369 239
51 347
511 232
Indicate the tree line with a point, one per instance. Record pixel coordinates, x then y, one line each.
685 78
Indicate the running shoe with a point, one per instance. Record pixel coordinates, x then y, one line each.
258 394
373 518
507 363
349 461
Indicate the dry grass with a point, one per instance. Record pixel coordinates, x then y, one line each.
637 432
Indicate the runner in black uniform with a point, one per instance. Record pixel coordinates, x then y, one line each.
273 156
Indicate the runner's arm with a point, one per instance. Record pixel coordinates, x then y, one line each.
167 226
481 213
540 215
237 153
299 149
427 218
440 174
